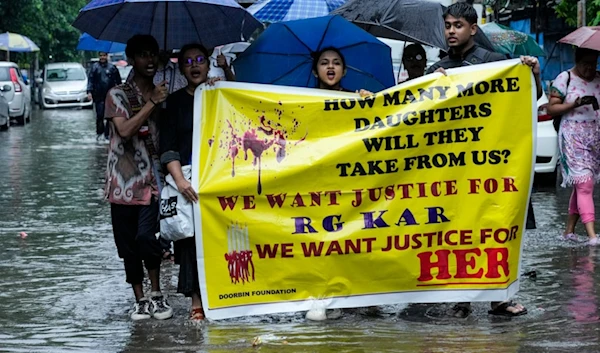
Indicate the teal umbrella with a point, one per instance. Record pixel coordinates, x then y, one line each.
508 41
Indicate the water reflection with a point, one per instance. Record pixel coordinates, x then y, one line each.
63 287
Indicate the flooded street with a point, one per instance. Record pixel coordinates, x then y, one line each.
63 287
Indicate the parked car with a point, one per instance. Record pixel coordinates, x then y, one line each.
4 108
64 85
19 96
546 153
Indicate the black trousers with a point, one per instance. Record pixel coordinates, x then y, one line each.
134 228
101 127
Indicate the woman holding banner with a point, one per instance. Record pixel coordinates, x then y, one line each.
574 95
176 129
329 67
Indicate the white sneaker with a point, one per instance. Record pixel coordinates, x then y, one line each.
159 307
141 310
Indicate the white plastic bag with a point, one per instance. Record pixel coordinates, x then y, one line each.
176 213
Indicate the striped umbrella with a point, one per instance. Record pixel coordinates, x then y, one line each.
289 10
17 43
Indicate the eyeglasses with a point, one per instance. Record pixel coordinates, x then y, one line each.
190 61
417 57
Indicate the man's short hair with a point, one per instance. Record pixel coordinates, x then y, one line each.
461 10
140 43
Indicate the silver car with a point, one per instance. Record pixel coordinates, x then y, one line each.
4 108
64 85
19 97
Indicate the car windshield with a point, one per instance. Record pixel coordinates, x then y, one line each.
70 74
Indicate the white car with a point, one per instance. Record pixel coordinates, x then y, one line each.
19 97
64 85
546 153
4 108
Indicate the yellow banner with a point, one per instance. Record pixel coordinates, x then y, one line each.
416 194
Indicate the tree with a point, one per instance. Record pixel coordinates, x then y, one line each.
45 22
567 9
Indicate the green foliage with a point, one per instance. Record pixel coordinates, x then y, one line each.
567 9
47 23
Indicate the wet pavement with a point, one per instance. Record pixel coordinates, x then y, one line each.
62 288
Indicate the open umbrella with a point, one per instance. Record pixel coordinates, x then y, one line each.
508 41
289 10
16 43
282 55
584 37
416 21
407 20
89 43
173 23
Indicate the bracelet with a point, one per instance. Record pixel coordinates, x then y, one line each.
153 102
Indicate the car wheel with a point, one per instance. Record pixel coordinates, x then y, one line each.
5 126
20 120
547 179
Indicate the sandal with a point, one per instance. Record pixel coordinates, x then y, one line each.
460 311
197 314
167 255
502 309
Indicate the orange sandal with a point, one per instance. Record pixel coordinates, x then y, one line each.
197 314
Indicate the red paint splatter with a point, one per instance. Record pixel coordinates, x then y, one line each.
239 264
258 141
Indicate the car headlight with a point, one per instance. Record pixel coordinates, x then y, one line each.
47 90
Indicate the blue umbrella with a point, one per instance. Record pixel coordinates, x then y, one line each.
282 55
89 43
173 23
289 10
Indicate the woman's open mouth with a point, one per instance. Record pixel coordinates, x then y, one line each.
196 73
331 74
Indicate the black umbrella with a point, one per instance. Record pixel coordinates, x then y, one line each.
415 21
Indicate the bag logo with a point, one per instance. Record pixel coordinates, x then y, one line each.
168 207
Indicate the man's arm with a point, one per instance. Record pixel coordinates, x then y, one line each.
90 86
534 64
127 128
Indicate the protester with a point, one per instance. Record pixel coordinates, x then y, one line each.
329 67
169 72
414 60
574 95
224 65
176 151
461 26
101 78
132 174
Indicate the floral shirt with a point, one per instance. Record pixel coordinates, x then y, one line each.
577 88
130 178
